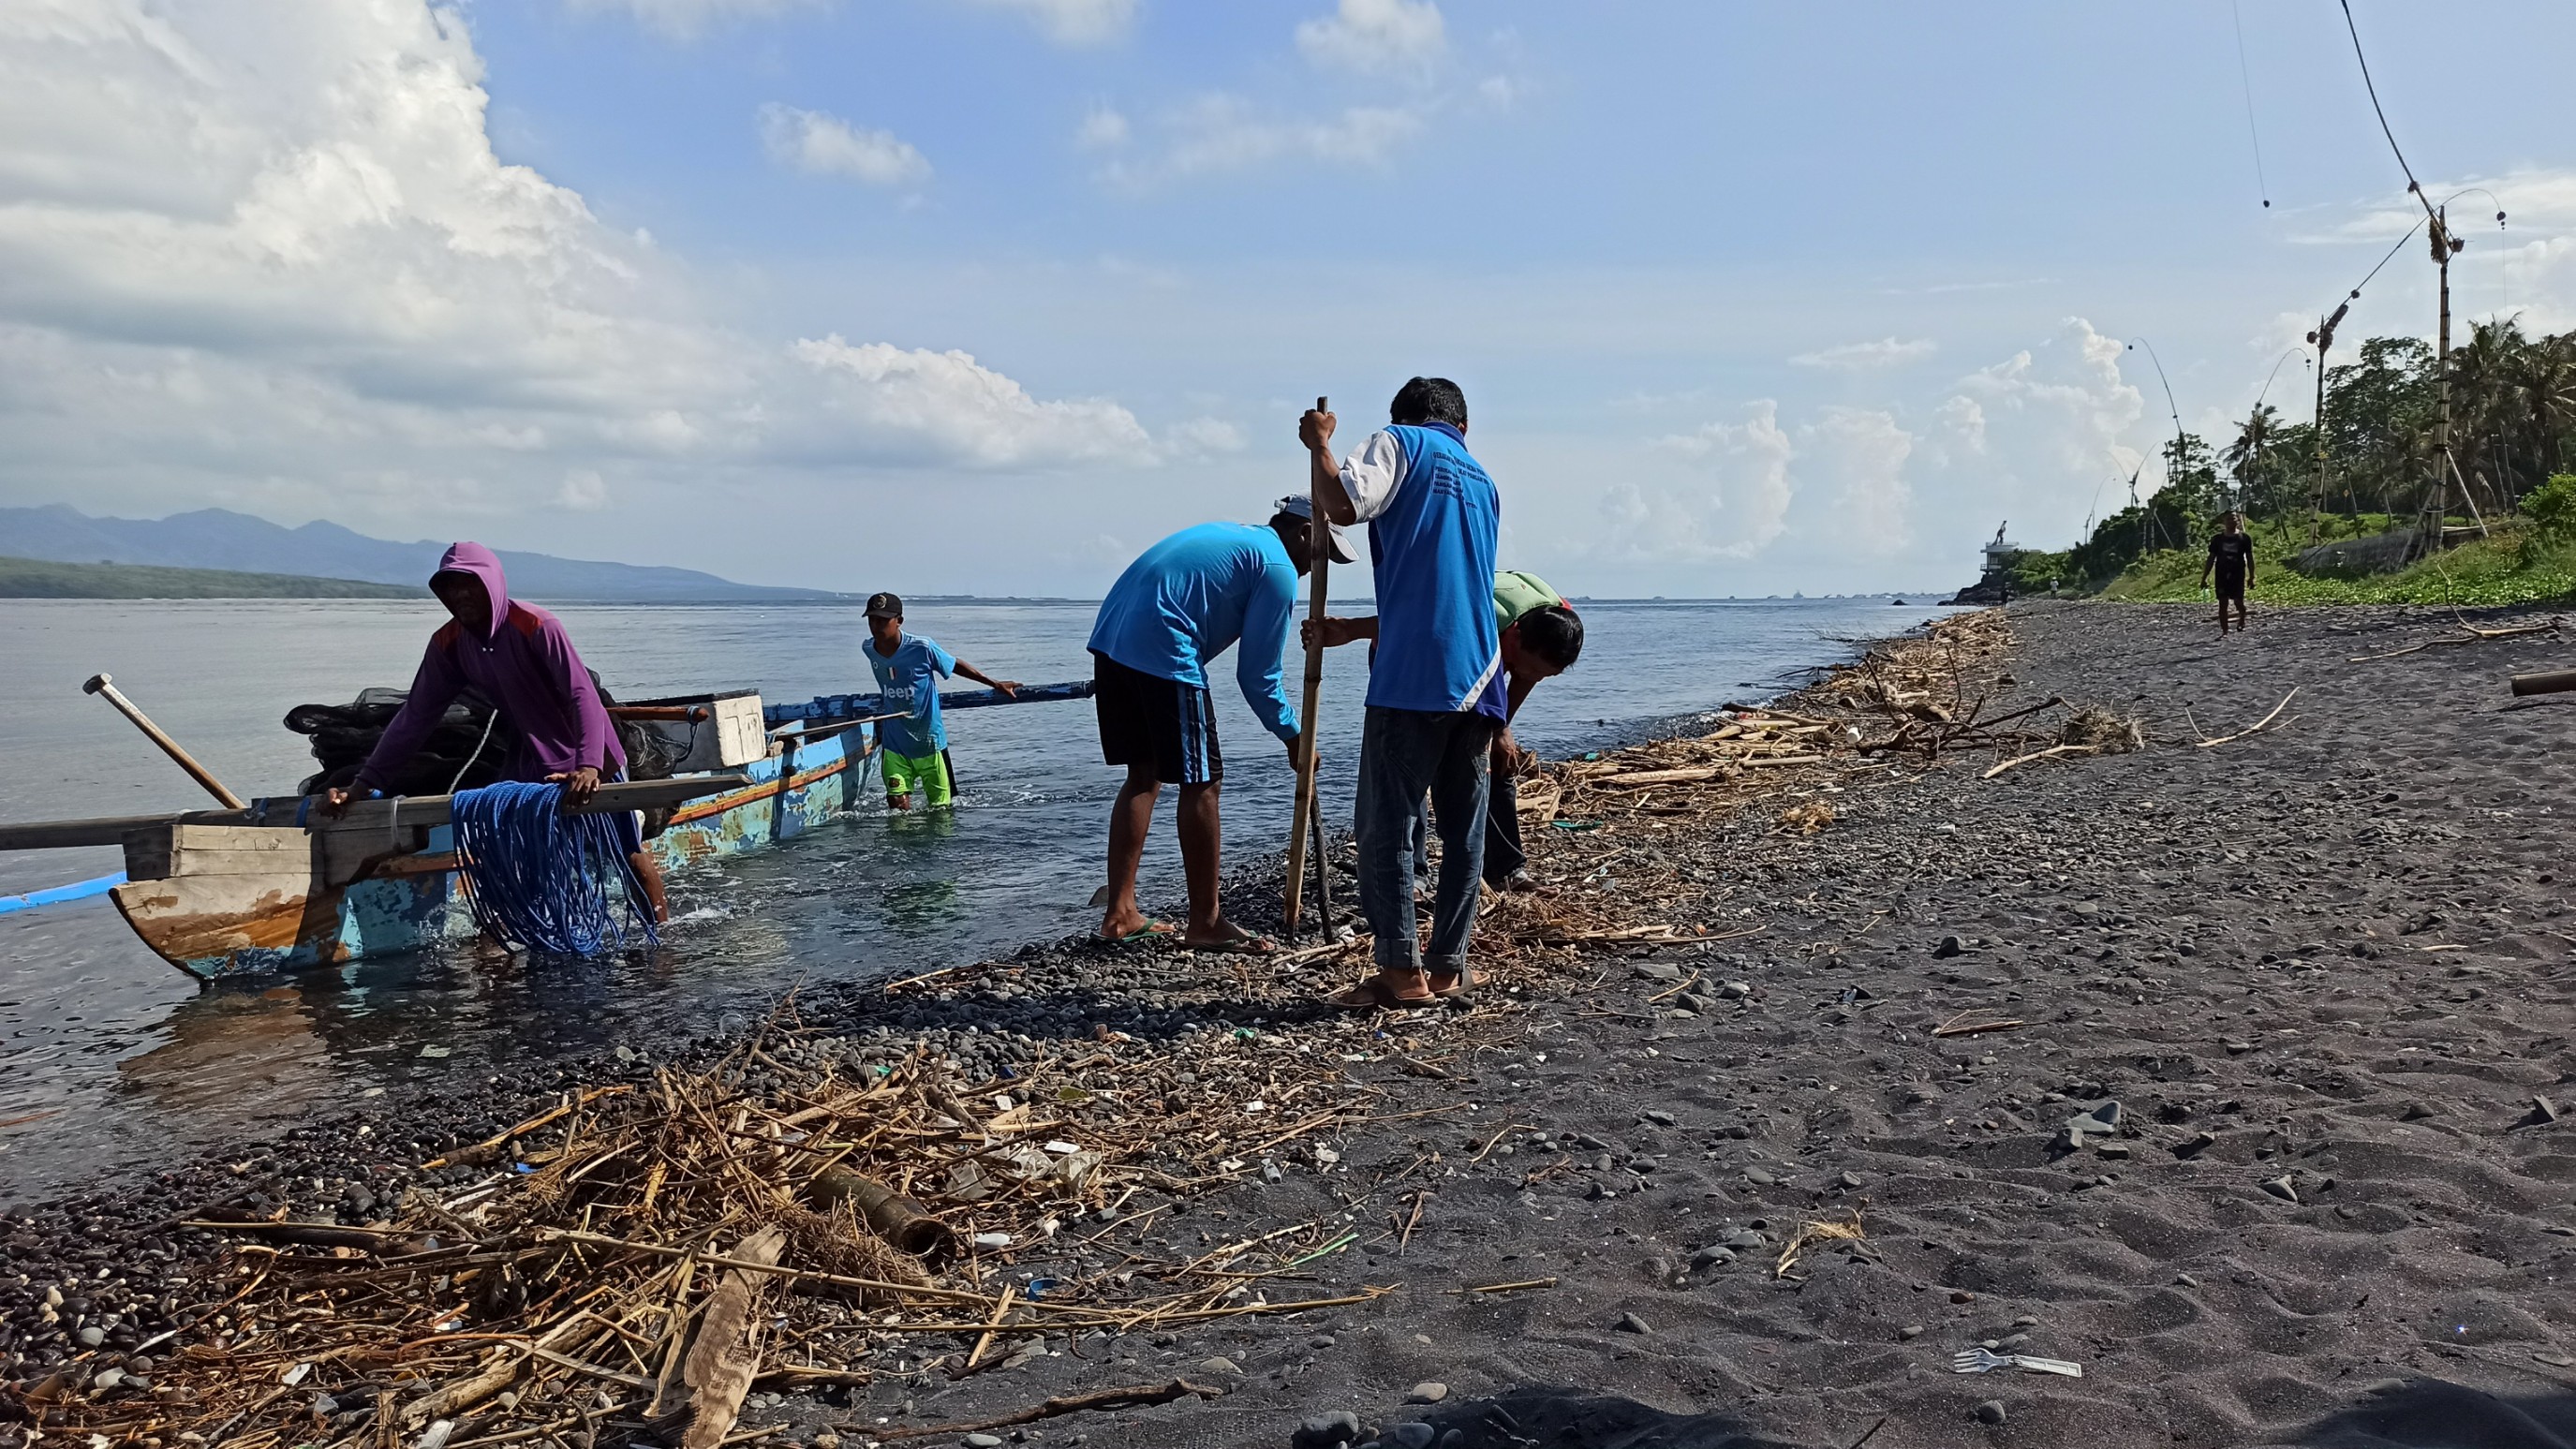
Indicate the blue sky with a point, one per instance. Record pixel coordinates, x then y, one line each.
1746 299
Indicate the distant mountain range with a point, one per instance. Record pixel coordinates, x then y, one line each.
216 538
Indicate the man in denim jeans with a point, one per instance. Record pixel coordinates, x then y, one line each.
1435 698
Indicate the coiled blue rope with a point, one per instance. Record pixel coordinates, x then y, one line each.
544 877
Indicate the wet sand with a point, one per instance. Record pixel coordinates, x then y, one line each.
2323 970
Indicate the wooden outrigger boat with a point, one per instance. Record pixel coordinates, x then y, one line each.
272 887
268 885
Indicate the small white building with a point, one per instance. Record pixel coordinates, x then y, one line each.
1999 552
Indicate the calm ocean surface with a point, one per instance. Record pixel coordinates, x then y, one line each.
110 1058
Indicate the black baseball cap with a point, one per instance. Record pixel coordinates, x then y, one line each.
884 606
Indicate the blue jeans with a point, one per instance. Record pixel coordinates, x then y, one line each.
1404 755
1504 854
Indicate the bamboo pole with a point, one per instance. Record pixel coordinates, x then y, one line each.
102 686
1319 548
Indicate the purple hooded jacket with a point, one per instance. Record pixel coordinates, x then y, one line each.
526 665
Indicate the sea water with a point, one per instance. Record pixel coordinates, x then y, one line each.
110 1058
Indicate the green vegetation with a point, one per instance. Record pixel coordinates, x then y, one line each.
2513 409
2515 566
26 578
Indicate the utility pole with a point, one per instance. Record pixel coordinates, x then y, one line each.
2323 337
2444 247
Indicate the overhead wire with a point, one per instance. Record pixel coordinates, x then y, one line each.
2246 75
2413 188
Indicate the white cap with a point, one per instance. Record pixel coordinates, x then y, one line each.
1302 506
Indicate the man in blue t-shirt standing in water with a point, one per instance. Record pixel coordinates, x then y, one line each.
1435 696
908 668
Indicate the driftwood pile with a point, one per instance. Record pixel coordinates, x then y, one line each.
632 1262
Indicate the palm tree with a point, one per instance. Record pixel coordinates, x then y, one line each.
2485 407
2246 460
2543 381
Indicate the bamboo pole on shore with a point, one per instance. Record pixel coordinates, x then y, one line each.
1319 549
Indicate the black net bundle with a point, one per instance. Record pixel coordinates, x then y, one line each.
470 748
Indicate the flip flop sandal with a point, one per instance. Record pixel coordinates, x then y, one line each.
1150 931
1374 994
1465 987
1240 946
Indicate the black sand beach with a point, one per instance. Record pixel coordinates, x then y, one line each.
2322 970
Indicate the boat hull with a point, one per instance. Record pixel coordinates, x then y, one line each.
227 901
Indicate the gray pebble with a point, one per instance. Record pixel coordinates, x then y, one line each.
1631 1323
983 1441
1429 1391
1991 1412
92 1336
1910 1331
1409 1436
1326 1431
1221 1365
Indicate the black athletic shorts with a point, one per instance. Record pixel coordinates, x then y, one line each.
2230 586
1159 725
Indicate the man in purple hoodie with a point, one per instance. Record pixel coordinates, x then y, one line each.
521 659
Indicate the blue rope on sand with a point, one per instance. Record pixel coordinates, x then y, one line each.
543 877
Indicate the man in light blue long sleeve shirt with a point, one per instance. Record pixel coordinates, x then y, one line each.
1182 603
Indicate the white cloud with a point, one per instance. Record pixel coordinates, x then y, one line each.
1220 132
1862 453
1202 438
1963 423
2056 415
583 491
1729 499
825 145
1102 129
686 19
1375 36
1862 356
956 408
262 254
1072 22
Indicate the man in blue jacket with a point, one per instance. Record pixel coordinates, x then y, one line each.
1182 603
1436 694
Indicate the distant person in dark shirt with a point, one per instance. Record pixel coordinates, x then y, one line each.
2231 558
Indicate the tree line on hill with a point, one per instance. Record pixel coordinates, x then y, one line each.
2513 429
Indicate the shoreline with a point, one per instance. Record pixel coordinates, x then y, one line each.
1875 928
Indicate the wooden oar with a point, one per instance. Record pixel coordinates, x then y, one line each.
1319 546
101 685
